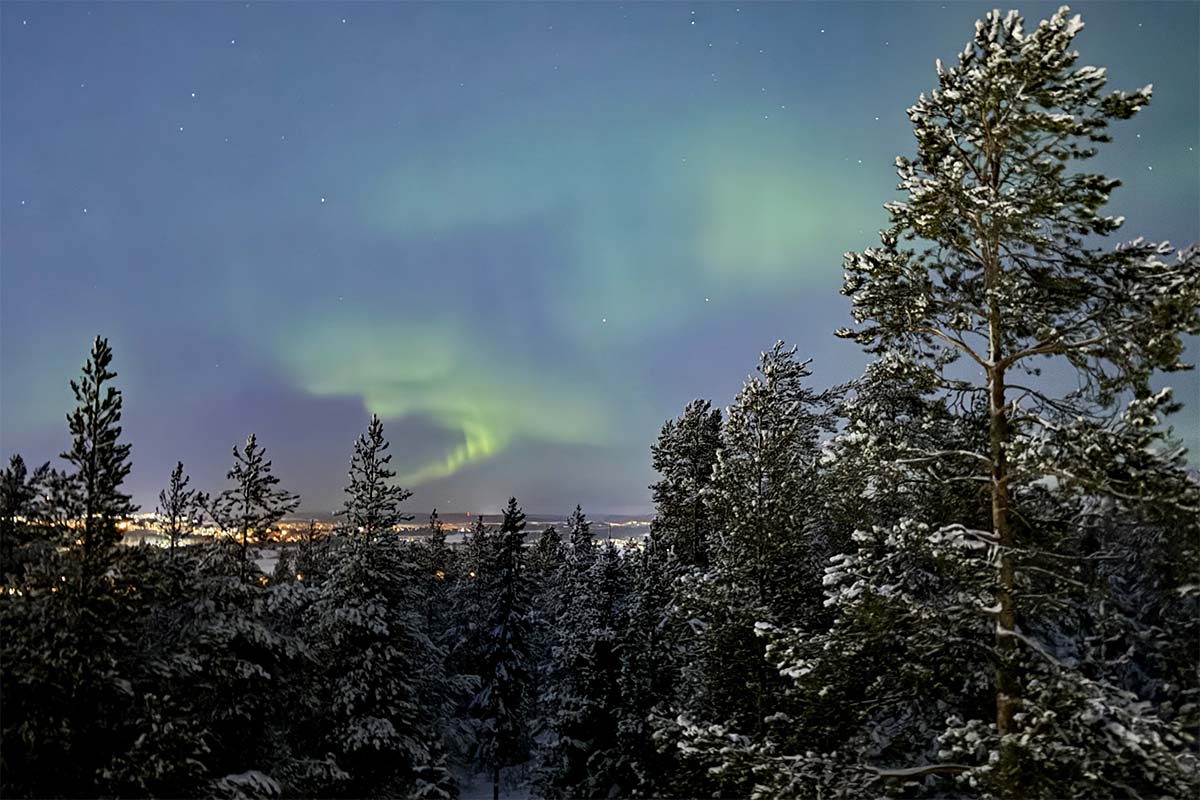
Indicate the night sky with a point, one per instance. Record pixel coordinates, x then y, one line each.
523 234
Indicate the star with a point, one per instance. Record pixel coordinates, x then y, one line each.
193 94
85 211
706 299
233 41
343 20
604 320
322 199
181 129
1150 168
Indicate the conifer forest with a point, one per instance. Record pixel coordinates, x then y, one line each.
972 571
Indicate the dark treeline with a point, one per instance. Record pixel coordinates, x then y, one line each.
946 578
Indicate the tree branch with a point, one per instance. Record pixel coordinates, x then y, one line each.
958 343
908 773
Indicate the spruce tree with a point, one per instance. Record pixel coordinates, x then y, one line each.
580 753
1007 275
311 553
501 706
469 598
384 695
547 553
433 558
653 650
684 456
579 528
285 568
545 560
249 509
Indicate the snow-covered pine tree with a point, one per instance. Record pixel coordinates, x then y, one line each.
579 755
437 554
70 653
247 511
372 503
101 464
768 551
433 560
285 567
21 512
469 598
874 683
179 506
311 553
555 603
763 481
653 650
547 553
501 706
380 684
1008 277
684 456
579 531
544 559
386 694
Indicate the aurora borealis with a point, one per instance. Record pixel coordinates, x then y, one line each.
523 234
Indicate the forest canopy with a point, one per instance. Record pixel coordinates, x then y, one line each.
949 577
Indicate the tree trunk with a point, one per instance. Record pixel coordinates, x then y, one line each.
496 782
1008 688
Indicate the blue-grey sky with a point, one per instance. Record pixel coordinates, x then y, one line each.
523 233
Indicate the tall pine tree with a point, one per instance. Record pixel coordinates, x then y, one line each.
502 704
249 509
1008 277
178 506
101 464
372 503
